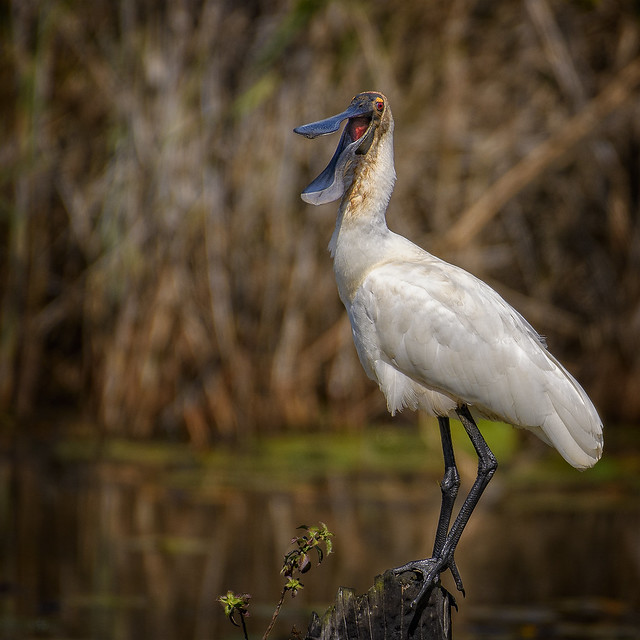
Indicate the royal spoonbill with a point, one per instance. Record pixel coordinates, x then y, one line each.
433 336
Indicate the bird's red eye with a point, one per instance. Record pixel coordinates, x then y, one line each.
379 104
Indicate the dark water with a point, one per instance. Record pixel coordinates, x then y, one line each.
120 541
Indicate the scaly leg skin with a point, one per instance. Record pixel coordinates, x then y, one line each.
449 487
446 543
430 568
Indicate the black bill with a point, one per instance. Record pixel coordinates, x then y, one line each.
356 138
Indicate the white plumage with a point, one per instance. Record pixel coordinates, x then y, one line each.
434 337
431 335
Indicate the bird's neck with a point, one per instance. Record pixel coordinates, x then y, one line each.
361 229
364 204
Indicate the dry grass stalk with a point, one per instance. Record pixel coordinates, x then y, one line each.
618 93
158 269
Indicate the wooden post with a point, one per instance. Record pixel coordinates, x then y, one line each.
385 613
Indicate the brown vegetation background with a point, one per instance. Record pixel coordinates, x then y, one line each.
158 271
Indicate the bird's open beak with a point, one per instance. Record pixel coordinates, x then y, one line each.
356 138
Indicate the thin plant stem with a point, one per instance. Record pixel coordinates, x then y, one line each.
276 612
244 628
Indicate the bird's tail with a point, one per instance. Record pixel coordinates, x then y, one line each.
575 429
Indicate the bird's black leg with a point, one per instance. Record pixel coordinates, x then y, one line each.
487 465
449 486
431 568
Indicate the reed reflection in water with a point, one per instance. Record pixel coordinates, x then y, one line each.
137 545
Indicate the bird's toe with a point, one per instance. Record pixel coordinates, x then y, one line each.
430 569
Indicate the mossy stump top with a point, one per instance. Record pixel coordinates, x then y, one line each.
385 613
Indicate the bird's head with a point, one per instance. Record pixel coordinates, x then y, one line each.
368 121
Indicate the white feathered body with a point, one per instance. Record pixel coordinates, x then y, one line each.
434 337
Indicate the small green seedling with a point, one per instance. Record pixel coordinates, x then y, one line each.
236 607
296 561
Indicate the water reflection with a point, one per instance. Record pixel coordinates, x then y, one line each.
140 546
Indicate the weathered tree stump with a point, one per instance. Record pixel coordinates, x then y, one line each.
385 613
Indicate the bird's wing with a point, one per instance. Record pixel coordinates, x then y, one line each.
452 333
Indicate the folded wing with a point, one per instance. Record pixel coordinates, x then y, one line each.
450 333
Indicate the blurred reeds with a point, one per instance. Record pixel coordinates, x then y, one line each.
158 270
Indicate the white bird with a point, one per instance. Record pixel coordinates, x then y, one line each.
433 336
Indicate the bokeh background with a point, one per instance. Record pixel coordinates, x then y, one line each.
178 385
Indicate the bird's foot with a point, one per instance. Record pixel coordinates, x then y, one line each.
430 570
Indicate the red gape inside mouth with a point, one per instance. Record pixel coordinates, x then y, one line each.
357 127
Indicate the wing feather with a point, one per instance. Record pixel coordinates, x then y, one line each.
428 325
